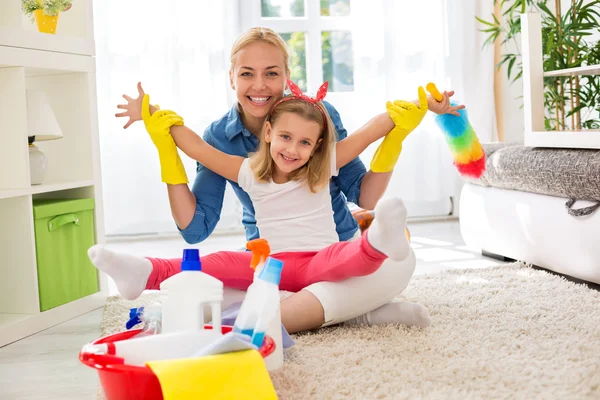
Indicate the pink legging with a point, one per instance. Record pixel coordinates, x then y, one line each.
337 262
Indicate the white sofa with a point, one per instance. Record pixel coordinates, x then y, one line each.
501 214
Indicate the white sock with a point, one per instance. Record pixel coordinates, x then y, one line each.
130 273
386 233
399 312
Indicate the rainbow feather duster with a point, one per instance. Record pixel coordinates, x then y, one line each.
467 152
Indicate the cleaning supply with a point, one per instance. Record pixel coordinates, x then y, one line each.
406 116
186 295
140 315
467 152
239 375
166 346
231 313
135 317
260 313
260 251
228 343
151 315
130 382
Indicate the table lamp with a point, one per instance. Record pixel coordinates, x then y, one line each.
41 125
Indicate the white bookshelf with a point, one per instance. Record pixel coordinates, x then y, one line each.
63 66
533 92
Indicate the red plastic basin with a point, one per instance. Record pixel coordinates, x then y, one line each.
128 382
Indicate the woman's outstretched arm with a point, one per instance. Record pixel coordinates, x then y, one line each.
196 212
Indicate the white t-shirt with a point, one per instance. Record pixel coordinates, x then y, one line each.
288 215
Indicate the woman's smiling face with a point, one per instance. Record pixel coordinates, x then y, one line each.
258 78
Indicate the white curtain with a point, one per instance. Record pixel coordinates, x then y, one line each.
419 42
471 68
179 51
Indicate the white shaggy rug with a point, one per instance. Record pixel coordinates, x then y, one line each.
503 332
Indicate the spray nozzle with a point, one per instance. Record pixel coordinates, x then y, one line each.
260 251
134 317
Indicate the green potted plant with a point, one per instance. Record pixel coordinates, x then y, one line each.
566 44
45 12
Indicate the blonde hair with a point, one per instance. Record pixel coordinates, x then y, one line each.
317 171
258 34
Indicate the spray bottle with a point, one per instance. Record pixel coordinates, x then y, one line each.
260 313
150 315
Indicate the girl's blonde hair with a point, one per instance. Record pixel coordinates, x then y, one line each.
317 171
259 34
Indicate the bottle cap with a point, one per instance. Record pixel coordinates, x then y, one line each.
271 272
191 260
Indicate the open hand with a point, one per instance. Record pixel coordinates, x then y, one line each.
444 106
133 107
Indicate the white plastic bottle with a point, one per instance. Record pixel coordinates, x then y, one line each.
166 346
260 313
186 294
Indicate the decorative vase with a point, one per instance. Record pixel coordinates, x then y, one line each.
46 23
38 163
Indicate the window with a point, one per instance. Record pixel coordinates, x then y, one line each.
296 43
318 35
281 8
338 66
335 8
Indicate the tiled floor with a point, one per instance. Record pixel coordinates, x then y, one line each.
45 365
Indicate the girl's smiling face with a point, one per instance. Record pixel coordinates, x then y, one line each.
293 140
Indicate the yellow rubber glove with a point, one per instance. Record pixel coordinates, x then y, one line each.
158 126
407 116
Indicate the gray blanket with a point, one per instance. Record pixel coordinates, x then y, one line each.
570 173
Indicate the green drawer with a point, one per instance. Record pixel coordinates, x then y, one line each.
64 231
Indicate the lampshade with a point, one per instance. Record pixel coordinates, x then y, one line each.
41 121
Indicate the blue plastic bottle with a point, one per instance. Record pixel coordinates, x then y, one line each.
261 306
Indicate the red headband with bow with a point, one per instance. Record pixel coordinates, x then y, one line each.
298 95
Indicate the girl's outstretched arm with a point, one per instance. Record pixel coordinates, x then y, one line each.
348 149
402 117
195 147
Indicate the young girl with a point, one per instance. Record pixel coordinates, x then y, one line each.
287 180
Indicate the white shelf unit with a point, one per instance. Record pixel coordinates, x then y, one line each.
63 66
533 92
75 33
587 70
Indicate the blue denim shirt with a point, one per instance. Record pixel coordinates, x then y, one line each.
229 135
